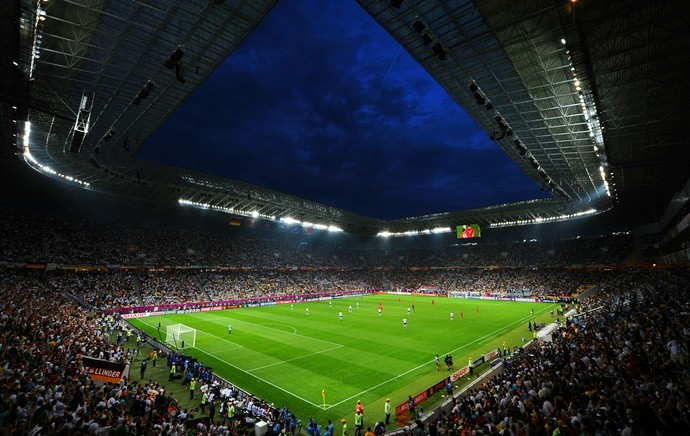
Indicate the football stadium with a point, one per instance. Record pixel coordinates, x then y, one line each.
321 217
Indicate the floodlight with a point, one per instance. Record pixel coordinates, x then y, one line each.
174 59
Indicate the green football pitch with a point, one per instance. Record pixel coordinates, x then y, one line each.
286 357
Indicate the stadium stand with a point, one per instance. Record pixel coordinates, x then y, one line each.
590 101
589 380
621 370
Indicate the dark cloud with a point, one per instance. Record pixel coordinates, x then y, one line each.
320 102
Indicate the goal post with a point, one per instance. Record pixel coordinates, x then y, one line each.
180 336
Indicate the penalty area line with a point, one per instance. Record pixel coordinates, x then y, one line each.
261 379
250 374
236 345
241 321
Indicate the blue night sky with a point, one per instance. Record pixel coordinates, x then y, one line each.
320 102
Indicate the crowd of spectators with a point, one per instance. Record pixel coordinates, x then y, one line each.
101 289
229 285
476 280
45 390
523 282
42 336
124 289
38 239
620 369
168 288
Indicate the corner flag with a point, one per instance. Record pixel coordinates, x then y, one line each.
323 395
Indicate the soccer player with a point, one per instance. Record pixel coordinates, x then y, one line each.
408 310
230 330
350 308
307 312
405 322
340 314
438 363
380 311
451 316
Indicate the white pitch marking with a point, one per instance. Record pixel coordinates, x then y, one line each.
294 358
494 334
275 329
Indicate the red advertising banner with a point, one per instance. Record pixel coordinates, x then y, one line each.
401 408
491 355
459 373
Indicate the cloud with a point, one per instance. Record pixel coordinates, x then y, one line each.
320 102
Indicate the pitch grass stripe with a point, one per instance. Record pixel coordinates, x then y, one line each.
293 359
245 371
226 350
320 406
261 326
274 329
275 363
493 334
216 353
263 380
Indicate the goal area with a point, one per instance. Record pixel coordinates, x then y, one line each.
180 336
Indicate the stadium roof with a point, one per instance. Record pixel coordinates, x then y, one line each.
587 97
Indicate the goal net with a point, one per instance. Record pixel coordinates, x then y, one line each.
180 336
